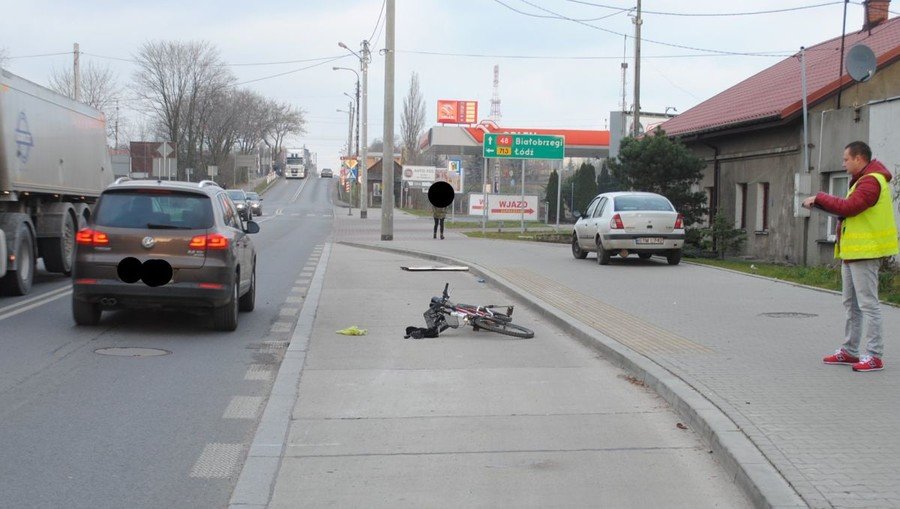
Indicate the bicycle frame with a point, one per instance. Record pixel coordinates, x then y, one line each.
444 314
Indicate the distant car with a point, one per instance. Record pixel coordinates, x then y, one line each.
255 203
166 245
629 222
242 202
326 173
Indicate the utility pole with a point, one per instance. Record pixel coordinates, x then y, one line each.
387 160
364 170
637 72
76 79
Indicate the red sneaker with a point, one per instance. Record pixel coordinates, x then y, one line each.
840 356
869 363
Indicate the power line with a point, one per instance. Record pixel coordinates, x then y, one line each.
545 16
692 48
378 21
290 72
564 57
242 64
715 14
41 55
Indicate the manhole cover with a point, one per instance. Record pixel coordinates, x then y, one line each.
132 352
789 314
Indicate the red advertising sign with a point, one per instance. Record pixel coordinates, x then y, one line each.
457 112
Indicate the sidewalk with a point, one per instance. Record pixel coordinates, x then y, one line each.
750 346
470 419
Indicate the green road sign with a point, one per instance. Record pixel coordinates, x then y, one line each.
523 146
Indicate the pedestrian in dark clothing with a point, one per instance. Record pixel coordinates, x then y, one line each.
866 233
439 213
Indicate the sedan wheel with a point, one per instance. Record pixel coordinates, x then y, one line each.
577 252
674 257
603 255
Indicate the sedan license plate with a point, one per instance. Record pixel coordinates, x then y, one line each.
648 240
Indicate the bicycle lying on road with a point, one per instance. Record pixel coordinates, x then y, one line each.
443 314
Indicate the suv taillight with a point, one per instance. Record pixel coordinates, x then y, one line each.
88 237
616 223
679 223
210 241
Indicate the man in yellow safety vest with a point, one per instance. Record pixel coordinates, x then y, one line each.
866 233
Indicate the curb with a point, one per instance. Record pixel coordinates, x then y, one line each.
760 480
256 483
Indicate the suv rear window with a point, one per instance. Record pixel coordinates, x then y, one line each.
154 209
656 203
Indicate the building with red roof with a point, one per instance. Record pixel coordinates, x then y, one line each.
752 137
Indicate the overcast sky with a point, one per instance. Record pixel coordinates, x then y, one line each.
561 89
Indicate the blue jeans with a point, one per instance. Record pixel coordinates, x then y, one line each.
860 290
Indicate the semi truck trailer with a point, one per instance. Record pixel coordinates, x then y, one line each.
54 163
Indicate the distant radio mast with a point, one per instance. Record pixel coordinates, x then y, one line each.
495 99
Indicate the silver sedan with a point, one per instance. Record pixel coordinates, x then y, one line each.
623 223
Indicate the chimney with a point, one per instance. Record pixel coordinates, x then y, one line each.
876 13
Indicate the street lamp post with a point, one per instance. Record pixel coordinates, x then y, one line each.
364 117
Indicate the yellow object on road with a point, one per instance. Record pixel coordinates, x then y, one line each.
353 331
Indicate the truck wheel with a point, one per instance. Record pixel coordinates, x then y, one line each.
18 282
85 313
59 252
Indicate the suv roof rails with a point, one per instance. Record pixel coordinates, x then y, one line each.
122 179
204 183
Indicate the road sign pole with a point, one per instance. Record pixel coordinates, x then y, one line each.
522 202
484 197
558 193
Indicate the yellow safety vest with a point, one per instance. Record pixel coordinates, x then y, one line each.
872 233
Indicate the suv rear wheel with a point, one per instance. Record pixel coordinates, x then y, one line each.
248 300
225 318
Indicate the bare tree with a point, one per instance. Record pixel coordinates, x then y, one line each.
253 122
221 126
284 120
178 83
99 89
412 121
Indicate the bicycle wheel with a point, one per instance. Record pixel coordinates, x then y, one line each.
509 329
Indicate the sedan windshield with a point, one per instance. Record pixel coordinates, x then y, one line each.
237 195
642 202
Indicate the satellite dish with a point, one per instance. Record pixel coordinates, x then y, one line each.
861 63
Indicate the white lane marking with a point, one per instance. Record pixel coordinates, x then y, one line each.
40 301
259 372
217 461
286 311
281 327
299 190
299 289
293 300
243 407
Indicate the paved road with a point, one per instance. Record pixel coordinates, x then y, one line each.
78 429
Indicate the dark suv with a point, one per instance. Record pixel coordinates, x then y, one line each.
166 245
